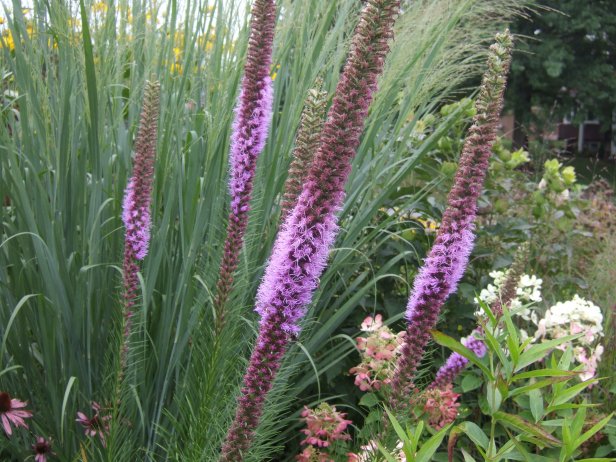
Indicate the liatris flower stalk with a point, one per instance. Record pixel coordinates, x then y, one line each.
456 362
512 279
136 207
253 115
448 258
302 245
306 144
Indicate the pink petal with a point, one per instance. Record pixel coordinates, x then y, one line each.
6 424
16 404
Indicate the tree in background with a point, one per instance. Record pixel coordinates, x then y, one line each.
565 65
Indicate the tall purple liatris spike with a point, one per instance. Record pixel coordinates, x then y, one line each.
137 199
302 245
448 258
253 115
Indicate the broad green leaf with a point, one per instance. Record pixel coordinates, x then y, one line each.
428 448
536 404
566 395
537 385
494 397
369 400
470 382
523 425
539 351
475 433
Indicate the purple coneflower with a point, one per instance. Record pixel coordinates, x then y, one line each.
448 258
12 412
96 425
300 252
253 116
42 449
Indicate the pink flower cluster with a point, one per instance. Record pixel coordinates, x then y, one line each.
324 426
441 406
380 351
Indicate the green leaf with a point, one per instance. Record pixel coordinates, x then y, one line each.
429 447
525 426
536 404
536 385
475 433
470 382
369 400
467 456
568 394
494 397
454 345
385 453
543 373
594 429
538 352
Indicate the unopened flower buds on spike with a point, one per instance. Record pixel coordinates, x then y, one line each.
448 258
456 362
306 144
137 199
253 116
300 252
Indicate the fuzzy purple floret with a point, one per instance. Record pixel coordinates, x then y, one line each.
456 362
137 220
443 269
298 260
247 141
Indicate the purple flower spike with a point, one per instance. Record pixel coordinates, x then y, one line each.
456 362
300 252
253 116
448 258
137 221
136 207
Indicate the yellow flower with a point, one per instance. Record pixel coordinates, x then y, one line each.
100 7
275 70
7 40
74 23
176 68
2 20
177 52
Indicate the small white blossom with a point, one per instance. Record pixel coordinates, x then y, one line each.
528 291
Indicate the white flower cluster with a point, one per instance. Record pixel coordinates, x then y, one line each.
527 291
576 316
573 317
